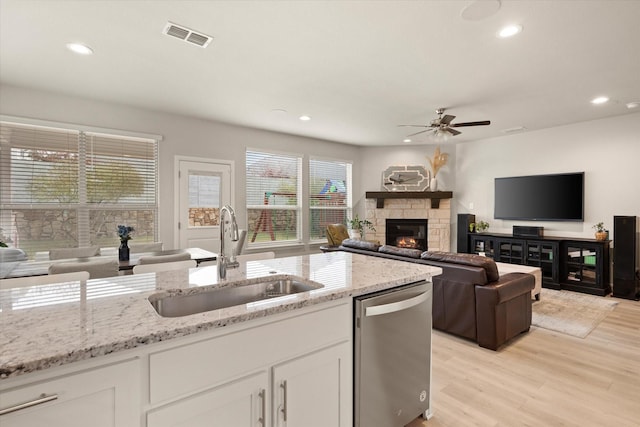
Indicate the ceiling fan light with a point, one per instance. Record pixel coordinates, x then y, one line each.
441 135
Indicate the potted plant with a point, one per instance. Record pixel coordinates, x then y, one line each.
481 226
601 232
357 226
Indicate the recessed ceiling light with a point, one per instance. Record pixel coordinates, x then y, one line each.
79 48
406 140
634 104
509 31
600 100
305 118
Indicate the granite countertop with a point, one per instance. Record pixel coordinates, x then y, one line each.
51 325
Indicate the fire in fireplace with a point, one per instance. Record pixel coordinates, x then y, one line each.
407 233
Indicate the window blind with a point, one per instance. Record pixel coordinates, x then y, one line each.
69 188
329 195
273 197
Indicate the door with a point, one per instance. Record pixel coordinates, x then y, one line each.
204 186
314 390
241 403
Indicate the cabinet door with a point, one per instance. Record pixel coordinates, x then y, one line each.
240 403
314 390
511 251
482 245
103 397
544 255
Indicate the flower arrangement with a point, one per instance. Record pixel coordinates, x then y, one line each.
124 232
438 161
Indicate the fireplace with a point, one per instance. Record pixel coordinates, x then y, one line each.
407 233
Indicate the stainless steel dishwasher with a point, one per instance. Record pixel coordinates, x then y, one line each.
392 366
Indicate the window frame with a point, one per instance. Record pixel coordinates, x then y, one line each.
348 208
297 208
82 207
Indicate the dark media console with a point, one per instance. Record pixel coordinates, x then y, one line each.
573 264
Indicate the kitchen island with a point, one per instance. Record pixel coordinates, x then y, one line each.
56 332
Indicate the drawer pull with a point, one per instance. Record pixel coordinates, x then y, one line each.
263 408
40 400
283 386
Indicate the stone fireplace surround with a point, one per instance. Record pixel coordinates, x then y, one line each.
439 231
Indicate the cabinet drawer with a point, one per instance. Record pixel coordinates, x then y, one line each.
108 396
193 367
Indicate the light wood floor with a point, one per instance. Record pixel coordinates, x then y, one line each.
542 378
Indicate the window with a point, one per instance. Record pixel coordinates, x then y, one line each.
329 195
71 187
273 197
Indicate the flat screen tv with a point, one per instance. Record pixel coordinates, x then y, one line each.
557 197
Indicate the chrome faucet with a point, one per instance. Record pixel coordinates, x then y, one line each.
223 262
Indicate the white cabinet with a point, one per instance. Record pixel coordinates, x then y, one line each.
294 371
314 390
296 364
101 397
241 403
308 391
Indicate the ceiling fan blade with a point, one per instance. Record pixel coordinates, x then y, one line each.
446 119
416 126
482 123
418 133
453 132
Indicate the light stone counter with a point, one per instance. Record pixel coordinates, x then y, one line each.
51 325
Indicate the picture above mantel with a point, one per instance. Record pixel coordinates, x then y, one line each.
435 196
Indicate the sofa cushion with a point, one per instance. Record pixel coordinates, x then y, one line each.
394 250
487 264
361 244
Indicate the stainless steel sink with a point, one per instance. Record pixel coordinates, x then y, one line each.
214 299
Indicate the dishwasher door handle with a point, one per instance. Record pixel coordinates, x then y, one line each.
377 310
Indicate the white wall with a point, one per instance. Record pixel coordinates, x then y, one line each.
607 150
376 159
182 135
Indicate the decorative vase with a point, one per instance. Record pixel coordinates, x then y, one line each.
123 251
433 185
355 234
601 235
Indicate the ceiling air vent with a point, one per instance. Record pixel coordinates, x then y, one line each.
186 34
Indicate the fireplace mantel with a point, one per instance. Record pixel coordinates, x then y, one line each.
435 196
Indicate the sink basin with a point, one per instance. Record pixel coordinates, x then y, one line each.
214 299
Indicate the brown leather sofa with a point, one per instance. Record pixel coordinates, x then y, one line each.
470 299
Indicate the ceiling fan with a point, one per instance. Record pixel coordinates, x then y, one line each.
442 126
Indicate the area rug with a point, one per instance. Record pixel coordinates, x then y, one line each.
570 313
